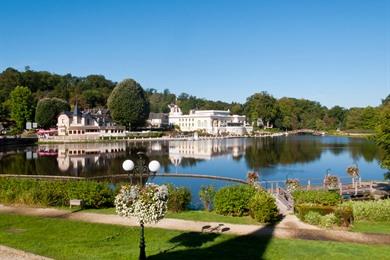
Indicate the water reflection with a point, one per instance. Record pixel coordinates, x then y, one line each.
273 156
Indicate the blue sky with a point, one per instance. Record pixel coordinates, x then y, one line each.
331 51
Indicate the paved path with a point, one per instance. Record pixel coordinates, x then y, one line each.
8 253
289 227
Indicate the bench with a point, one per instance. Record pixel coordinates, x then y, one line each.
75 202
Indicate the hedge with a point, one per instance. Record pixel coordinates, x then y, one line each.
234 200
302 209
343 213
326 198
55 192
179 198
262 207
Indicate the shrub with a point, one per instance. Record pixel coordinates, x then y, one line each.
313 218
55 193
179 198
234 200
326 198
303 209
371 210
344 215
206 195
328 220
262 207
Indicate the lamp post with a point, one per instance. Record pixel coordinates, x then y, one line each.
141 168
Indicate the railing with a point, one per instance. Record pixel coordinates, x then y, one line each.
125 176
347 186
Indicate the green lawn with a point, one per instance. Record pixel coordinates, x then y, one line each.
197 215
66 239
371 227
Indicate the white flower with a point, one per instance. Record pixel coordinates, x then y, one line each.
148 204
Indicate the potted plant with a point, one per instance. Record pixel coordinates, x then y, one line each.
252 177
331 182
353 171
292 185
148 204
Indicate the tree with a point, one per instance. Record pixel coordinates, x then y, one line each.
128 105
386 101
93 98
337 113
21 106
236 108
48 109
362 118
383 135
261 105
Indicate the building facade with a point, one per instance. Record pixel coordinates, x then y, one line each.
210 121
158 120
89 124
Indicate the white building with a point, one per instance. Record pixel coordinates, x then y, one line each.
87 124
211 121
158 120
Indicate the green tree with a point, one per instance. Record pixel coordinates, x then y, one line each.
336 116
236 108
21 106
383 135
48 109
128 104
261 105
386 101
362 118
93 98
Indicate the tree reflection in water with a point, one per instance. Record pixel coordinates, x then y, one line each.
86 160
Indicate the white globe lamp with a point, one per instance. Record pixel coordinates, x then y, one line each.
154 166
128 165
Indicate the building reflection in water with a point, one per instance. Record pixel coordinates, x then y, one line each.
74 158
276 155
206 149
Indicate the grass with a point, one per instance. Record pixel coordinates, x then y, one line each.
196 215
371 227
199 215
67 239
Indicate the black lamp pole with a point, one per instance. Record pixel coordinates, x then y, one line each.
142 254
141 169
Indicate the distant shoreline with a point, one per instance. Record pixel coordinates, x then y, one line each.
114 140
9 141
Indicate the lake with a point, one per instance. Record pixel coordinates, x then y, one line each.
274 158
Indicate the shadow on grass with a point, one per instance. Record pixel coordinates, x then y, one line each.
250 246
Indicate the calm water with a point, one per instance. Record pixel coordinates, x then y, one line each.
303 157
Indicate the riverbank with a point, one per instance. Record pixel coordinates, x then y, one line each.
17 140
366 134
164 138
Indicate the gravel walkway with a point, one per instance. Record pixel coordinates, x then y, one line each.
8 253
289 227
